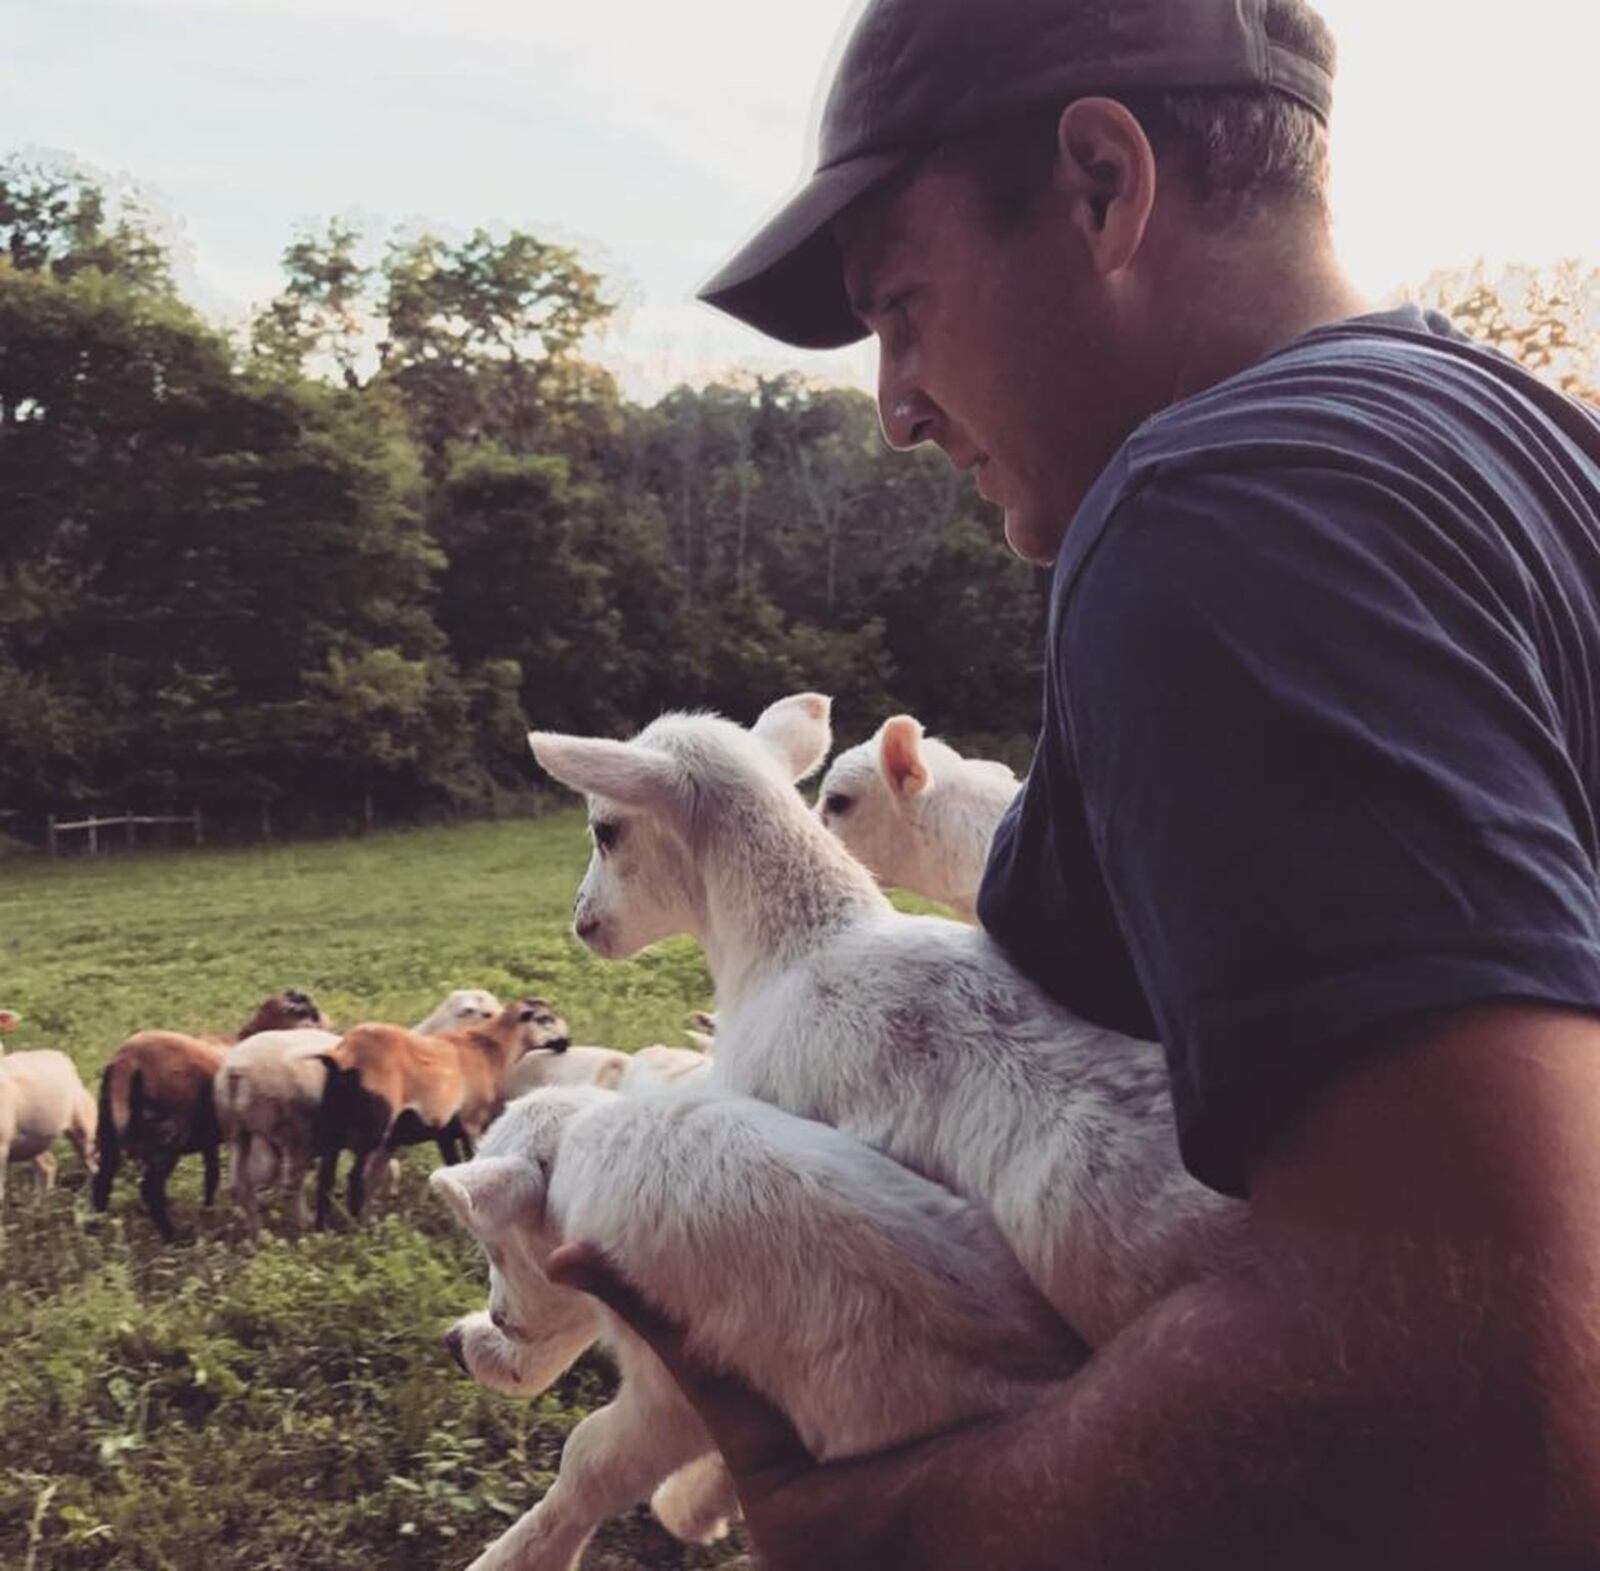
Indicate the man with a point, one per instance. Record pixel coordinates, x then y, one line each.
1314 801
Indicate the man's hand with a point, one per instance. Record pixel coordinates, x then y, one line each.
801 1515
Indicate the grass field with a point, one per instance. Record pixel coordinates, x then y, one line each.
284 1403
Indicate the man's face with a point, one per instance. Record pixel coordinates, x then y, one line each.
1000 345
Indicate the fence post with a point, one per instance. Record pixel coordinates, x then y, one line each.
94 837
50 833
133 836
199 831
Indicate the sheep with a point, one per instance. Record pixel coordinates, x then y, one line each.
269 1090
904 1310
916 812
914 1033
389 1087
598 1066
41 1100
157 1102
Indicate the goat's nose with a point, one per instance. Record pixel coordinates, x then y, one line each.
455 1341
586 926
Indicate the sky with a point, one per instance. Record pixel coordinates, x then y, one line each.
655 135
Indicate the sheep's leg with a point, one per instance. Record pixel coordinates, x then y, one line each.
44 1166
326 1172
153 1187
5 1163
244 1186
80 1132
449 1151
611 1462
367 1171
211 1155
296 1164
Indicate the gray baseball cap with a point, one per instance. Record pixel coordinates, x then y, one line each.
916 73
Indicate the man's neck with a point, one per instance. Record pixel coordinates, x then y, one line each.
1257 294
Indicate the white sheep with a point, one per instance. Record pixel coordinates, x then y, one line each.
42 1100
607 1067
914 1033
269 1090
904 1312
916 812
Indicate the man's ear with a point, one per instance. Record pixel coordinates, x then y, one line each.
490 1194
900 757
797 730
622 772
1106 167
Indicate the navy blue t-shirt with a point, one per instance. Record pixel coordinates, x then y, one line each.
1321 739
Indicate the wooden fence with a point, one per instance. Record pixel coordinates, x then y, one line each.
133 822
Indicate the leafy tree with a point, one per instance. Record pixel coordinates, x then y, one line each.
1548 318
58 221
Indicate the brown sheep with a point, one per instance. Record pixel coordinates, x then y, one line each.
157 1104
389 1087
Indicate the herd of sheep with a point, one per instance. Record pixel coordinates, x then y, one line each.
952 1187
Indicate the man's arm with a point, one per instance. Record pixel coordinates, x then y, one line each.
1408 1380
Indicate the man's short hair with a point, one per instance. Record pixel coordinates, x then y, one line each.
1235 151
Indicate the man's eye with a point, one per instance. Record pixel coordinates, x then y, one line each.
607 835
835 802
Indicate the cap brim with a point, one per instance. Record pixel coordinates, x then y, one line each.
787 281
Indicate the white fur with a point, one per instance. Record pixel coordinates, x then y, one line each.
42 1100
915 1034
916 812
904 1312
270 1086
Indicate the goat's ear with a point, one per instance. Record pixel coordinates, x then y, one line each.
797 730
621 772
490 1194
900 756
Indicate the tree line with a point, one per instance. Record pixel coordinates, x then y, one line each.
338 563
334 565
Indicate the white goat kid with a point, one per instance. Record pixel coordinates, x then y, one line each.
916 1034
905 1310
916 812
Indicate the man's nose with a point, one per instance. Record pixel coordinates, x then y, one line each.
907 417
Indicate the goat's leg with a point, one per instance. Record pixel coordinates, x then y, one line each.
153 1187
698 1503
44 1167
611 1462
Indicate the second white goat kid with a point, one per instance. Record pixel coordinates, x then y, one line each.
915 1034
905 1312
916 812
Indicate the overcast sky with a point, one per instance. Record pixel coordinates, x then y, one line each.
654 135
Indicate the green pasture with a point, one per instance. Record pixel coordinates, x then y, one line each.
283 1405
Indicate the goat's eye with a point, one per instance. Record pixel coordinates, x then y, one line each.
836 802
606 834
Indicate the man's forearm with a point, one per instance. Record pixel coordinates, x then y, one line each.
1401 1413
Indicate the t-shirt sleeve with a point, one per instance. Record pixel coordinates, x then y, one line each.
1325 777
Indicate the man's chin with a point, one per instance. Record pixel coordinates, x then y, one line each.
1033 536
